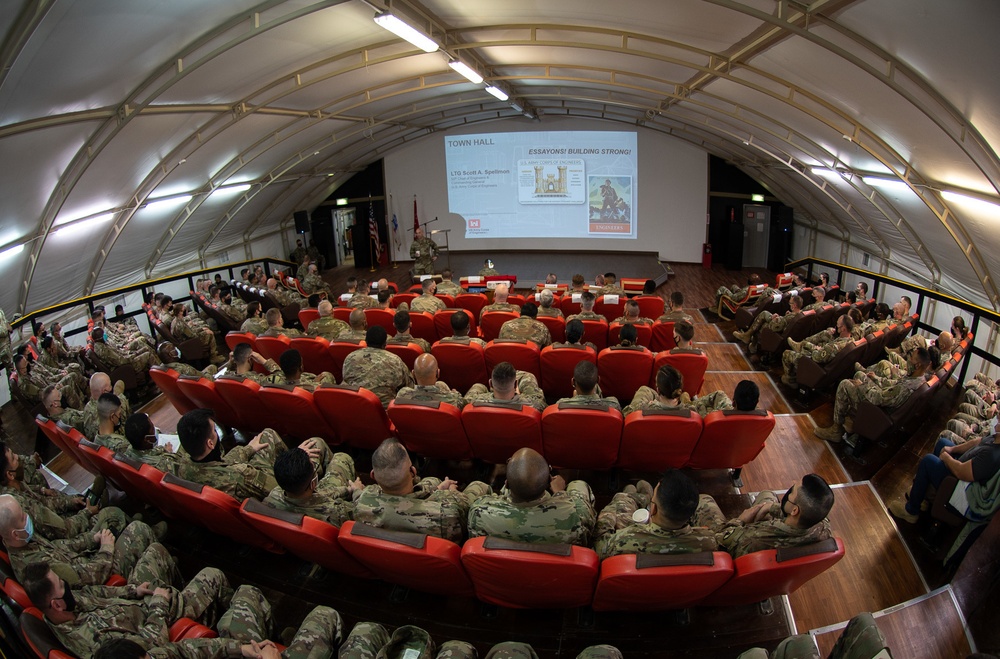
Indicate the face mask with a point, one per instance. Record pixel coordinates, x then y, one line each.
29 528
68 599
784 500
215 455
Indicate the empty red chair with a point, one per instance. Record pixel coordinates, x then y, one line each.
243 395
656 440
422 326
381 317
400 298
408 352
430 428
307 315
658 582
570 304
471 302
71 440
49 429
492 321
294 413
523 354
596 332
692 366
355 414
730 439
343 313
271 347
339 350
663 337
166 379
310 539
535 576
623 370
581 435
233 339
461 365
202 392
497 429
610 306
413 560
761 575
442 323
449 301
556 326
315 351
650 306
557 364
643 332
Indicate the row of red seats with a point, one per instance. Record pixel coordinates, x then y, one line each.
496 571
569 435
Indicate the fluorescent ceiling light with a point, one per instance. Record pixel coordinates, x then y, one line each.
882 182
756 197
166 202
517 106
82 226
232 188
825 172
497 92
971 202
11 251
467 71
407 32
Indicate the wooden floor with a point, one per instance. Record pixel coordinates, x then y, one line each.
883 567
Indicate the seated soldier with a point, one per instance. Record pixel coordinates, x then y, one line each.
182 330
546 300
313 283
428 387
326 325
244 472
500 303
628 336
574 336
109 421
798 519
242 362
684 338
526 327
819 299
401 501
611 286
632 315
535 506
255 323
375 368
358 324
292 374
426 300
54 409
675 310
20 476
276 325
819 354
772 321
447 286
587 300
143 444
385 300
360 299
460 330
736 292
100 383
284 296
577 284
508 384
323 490
667 529
585 389
670 395
401 321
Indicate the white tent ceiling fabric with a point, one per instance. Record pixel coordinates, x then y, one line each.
106 106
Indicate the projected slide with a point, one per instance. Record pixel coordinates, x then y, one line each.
570 184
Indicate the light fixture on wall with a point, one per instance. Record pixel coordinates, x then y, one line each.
465 70
404 31
497 93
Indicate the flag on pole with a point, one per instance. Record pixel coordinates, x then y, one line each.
395 232
373 232
416 222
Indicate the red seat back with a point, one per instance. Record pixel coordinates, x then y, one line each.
624 370
449 301
40 638
644 333
691 365
581 436
355 414
50 430
471 302
422 326
557 364
650 306
731 439
71 439
310 539
492 321
381 317
657 440
315 352
461 365
202 392
294 413
523 354
400 298
343 313
657 582
307 315
663 337
568 305
430 428
496 430
596 332
442 323
408 352
233 339
764 574
144 488
271 347
166 379
339 350
413 560
610 306
557 576
556 326
243 394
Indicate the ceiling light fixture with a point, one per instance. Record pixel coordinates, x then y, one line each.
497 93
82 225
404 31
467 71
517 106
11 251
976 202
164 202
883 182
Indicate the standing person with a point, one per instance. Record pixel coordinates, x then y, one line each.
424 251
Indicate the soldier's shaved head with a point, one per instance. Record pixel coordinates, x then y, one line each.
391 466
528 475
99 383
500 293
325 308
425 369
357 321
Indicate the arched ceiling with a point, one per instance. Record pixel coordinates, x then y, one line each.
233 113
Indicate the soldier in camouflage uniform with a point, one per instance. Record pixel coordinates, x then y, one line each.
819 354
51 358
6 354
284 296
668 530
798 519
171 359
426 300
182 330
245 472
291 373
376 369
401 502
112 358
611 286
772 321
34 379
500 303
587 300
315 482
358 327
90 556
401 321
242 362
527 511
52 402
142 445
255 323
428 387
326 325
276 325
887 393
632 316
313 283
546 302
424 252
736 292
360 299
100 383
447 286
527 328
370 640
460 330
509 385
670 395
20 477
109 421
488 270
585 389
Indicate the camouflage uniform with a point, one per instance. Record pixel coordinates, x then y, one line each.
504 306
6 355
441 513
53 525
249 618
158 457
528 392
49 361
72 384
117 443
307 381
331 502
448 287
428 303
625 320
362 301
270 366
467 340
674 317
73 418
255 326
733 292
611 289
616 532
422 252
186 369
561 517
739 539
241 473
405 337
379 371
140 362
591 398
439 391
91 422
526 328
586 315
290 332
313 283
328 327
550 312
772 321
182 330
370 640
647 399
488 272
352 335
820 354
883 392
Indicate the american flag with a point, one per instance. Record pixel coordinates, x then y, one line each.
373 232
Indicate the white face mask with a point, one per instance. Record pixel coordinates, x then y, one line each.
28 530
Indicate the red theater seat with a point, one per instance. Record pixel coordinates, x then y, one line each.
422 326
471 302
271 347
497 429
355 414
516 299
557 364
202 392
521 353
556 326
692 366
623 370
400 298
307 315
658 582
644 332
442 323
339 349
144 488
343 313
243 395
413 560
492 321
663 337
315 351
610 306
461 365
535 576
730 439
166 379
596 332
449 301
408 352
51 431
657 440
650 306
294 413
570 304
581 435
382 318
233 339
430 428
